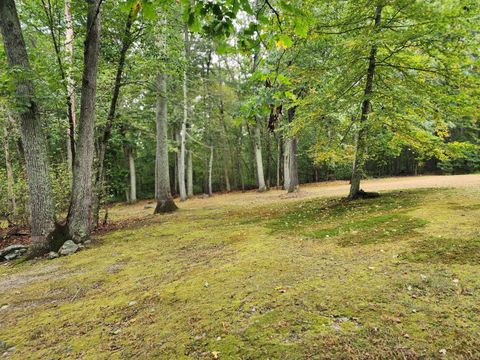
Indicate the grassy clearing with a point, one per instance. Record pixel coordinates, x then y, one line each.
394 277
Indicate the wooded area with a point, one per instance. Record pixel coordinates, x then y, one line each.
109 101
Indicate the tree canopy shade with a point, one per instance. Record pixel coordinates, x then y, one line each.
193 97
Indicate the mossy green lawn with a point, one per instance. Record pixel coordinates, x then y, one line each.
393 277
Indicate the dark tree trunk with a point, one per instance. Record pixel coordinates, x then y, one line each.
361 146
100 173
163 194
33 138
79 215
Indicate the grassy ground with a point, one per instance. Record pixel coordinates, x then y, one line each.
393 277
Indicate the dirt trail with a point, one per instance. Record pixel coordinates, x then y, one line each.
308 191
337 188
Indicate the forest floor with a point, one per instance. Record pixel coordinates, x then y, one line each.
263 276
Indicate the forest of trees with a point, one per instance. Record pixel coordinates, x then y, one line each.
118 100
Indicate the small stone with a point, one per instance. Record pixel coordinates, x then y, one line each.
442 351
282 291
52 255
68 248
116 331
206 284
131 303
17 249
3 307
219 338
456 281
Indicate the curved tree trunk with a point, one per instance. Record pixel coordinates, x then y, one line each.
102 147
163 194
79 215
361 145
33 138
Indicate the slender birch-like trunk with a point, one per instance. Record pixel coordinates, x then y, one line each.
132 175
189 173
72 119
210 166
258 158
181 160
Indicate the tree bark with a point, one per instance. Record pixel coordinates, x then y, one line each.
293 171
226 149
10 179
79 215
163 194
286 163
210 166
292 157
133 175
181 160
33 138
189 173
258 158
279 159
361 143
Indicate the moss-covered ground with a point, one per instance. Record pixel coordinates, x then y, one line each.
397 277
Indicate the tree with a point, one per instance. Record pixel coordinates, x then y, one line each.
79 221
165 203
33 138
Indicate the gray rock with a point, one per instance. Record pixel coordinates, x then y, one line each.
52 255
68 248
12 252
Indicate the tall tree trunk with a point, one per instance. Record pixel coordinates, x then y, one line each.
10 179
258 158
163 194
181 160
292 157
33 138
293 171
71 101
189 173
279 159
79 215
361 144
100 173
132 175
286 163
226 149
210 166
